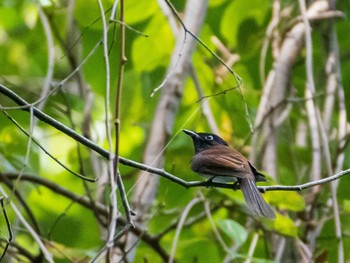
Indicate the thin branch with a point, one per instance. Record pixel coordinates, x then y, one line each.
88 143
191 221
335 81
180 225
326 15
152 241
213 226
114 11
237 78
60 85
23 202
269 34
50 57
113 215
306 185
82 200
19 250
218 93
77 137
129 27
35 236
118 98
45 151
86 132
252 248
206 109
8 224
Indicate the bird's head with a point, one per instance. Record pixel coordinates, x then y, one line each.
202 140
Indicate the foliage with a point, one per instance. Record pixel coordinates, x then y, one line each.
72 232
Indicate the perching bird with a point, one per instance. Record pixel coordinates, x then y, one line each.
217 162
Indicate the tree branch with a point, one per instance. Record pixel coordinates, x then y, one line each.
8 242
24 105
90 144
152 241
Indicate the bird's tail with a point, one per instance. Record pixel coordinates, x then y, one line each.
254 199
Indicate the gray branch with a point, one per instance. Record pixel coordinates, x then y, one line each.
24 105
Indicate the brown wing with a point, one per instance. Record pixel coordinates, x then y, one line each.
221 161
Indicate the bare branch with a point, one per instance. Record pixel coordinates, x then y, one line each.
45 151
84 201
35 236
180 224
8 228
88 143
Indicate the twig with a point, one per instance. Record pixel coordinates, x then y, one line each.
271 29
86 132
116 171
74 135
60 85
69 49
47 119
237 78
172 70
50 57
8 224
35 236
218 93
20 251
334 82
113 215
88 143
252 248
22 201
180 225
45 151
306 185
191 221
129 27
206 110
153 241
213 226
82 200
327 15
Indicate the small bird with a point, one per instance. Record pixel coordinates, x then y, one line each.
217 162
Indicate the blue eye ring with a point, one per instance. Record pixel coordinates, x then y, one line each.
209 137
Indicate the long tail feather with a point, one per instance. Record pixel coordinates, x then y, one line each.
254 199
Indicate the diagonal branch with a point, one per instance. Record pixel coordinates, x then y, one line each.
8 242
152 241
90 144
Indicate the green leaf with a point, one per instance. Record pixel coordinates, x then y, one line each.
283 225
346 205
287 200
201 249
149 53
239 11
234 230
138 11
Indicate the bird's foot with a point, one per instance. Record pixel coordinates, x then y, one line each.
210 182
236 186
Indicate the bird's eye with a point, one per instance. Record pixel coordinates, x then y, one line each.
209 137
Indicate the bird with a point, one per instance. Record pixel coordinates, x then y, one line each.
217 162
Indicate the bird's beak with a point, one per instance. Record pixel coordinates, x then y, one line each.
191 133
